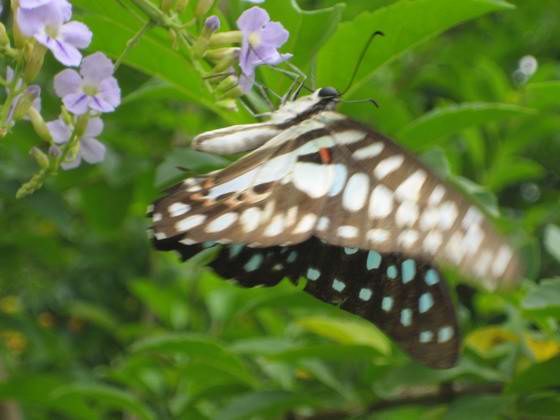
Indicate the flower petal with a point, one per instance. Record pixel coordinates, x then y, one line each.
109 91
30 4
76 34
96 67
274 34
252 19
94 128
60 132
64 52
246 82
72 164
77 103
92 150
66 82
99 104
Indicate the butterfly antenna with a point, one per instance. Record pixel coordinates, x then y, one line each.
360 59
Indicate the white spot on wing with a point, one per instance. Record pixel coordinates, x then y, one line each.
190 222
447 215
250 219
222 222
410 188
323 223
368 152
350 136
381 202
502 260
378 235
347 231
436 196
356 192
388 165
407 214
432 241
408 238
178 209
276 226
156 217
340 174
313 179
306 223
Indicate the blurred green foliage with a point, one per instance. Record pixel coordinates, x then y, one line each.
94 324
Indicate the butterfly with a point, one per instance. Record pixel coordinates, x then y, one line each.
325 198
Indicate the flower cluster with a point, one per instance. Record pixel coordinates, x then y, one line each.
86 92
259 40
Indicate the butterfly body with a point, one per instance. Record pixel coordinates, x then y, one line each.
325 198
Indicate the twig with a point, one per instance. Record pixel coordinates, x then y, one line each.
445 394
133 41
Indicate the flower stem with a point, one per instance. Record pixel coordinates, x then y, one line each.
37 181
133 41
12 94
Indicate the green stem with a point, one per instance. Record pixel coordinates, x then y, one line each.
133 41
13 92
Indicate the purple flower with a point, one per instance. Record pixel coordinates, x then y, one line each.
212 23
48 23
34 91
261 40
91 150
94 88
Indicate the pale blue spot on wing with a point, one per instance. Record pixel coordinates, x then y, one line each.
406 317
235 250
373 260
426 336
408 270
292 257
254 262
313 274
338 285
208 244
387 303
350 251
392 272
365 294
444 334
431 277
425 302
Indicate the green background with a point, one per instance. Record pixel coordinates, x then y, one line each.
95 324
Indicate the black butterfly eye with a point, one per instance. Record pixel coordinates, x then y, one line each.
328 92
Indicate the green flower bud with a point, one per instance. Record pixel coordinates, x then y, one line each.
181 5
34 54
226 84
228 105
202 8
40 157
4 38
224 39
166 5
24 102
39 125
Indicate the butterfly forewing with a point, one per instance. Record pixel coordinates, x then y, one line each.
364 221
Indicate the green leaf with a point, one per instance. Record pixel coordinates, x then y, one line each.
166 303
543 95
486 407
173 168
305 37
263 404
545 297
95 314
154 55
347 331
107 396
552 241
35 389
441 123
406 24
198 347
539 376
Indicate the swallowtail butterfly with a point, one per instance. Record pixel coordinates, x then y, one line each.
325 198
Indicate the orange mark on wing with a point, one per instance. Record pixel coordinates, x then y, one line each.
325 155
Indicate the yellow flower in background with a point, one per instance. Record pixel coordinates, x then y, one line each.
10 305
486 339
542 348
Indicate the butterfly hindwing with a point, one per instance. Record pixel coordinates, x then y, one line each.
406 298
